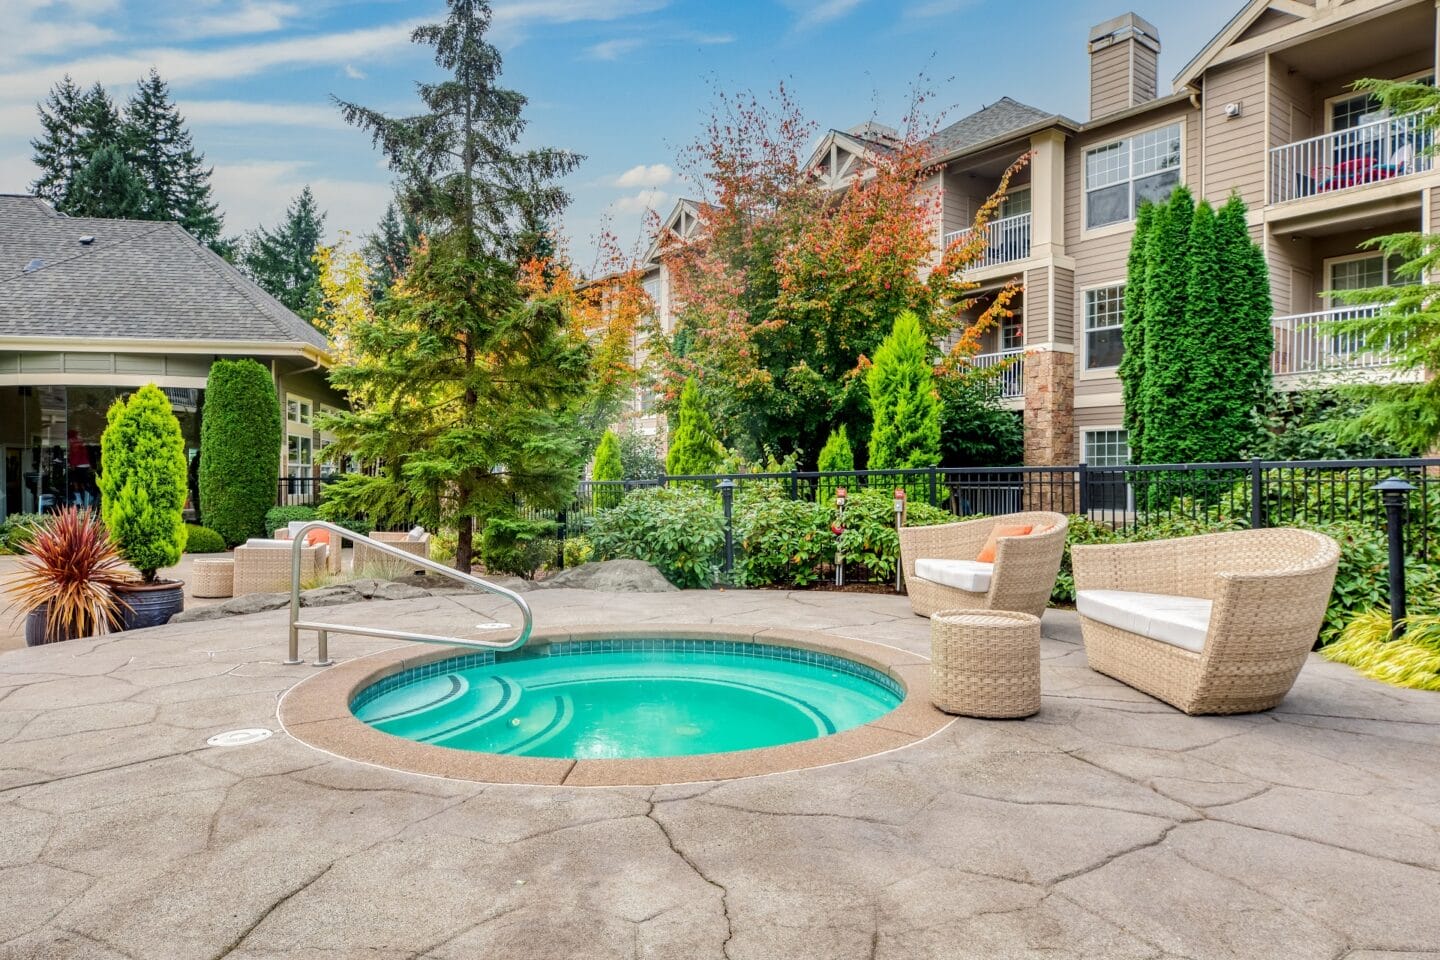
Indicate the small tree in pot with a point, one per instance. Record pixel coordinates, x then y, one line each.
67 579
142 498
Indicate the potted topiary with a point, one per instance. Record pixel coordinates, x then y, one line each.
142 500
68 573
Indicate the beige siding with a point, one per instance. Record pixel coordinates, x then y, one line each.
1234 149
1292 108
1037 305
1434 225
1089 418
1064 300
1110 79
1292 282
1095 383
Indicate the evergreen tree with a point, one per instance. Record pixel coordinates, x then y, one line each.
904 404
694 447
477 391
240 437
175 176
75 126
282 260
1197 333
835 457
608 467
143 481
107 186
388 250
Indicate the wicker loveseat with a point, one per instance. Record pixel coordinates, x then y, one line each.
263 566
370 560
1021 578
334 557
1219 623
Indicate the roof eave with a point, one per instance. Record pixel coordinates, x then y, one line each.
317 354
1056 120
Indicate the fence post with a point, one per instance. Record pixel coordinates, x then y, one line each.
1395 494
1257 494
795 484
1083 474
933 472
727 501
564 520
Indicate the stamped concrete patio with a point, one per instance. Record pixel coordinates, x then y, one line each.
1108 826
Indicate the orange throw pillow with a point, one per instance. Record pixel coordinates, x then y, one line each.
317 536
987 552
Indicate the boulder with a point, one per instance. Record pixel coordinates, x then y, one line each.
398 591
253 603
329 596
613 576
196 614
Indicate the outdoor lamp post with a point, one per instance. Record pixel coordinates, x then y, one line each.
1395 494
727 500
899 525
838 528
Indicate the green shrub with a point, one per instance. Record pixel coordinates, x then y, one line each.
1363 577
578 550
17 530
1411 660
869 541
904 403
239 450
143 481
694 447
517 545
277 517
1082 531
608 468
835 457
779 540
385 503
203 540
640 457
682 532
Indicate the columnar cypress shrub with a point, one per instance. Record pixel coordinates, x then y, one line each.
694 447
239 450
835 457
608 466
904 404
142 481
1198 338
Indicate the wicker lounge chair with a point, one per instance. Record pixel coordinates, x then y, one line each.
1021 578
368 558
263 566
333 557
1219 623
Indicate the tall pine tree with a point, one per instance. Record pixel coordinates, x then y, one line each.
160 149
109 187
694 447
282 260
904 404
388 250
74 125
478 389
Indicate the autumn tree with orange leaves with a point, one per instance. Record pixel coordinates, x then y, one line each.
789 287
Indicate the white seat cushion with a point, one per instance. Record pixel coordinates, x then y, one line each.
261 542
971 576
1178 621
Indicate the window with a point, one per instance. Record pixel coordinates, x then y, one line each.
1349 112
1104 316
1361 273
297 410
1122 175
1107 448
300 452
1015 203
1012 333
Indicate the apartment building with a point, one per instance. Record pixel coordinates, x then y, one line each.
1265 110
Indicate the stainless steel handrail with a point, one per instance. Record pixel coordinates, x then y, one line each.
323 630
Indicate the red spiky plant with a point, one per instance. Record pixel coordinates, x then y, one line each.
69 569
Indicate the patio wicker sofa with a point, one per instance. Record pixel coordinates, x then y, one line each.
263 566
942 572
1219 623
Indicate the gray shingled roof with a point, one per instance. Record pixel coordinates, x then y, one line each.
990 123
137 280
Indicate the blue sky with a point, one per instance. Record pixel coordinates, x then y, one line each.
625 82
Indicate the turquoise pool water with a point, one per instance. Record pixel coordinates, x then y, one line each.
628 698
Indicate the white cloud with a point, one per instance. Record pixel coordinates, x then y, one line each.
643 175
813 13
51 27
257 191
354 72
251 16
16 173
614 49
651 199
236 113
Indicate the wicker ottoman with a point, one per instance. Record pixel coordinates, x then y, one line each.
985 663
212 578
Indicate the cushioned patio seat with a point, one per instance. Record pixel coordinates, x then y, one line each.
1179 621
971 575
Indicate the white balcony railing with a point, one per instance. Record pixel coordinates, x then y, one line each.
1006 240
1369 153
1012 378
1304 343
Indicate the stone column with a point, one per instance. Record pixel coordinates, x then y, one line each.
1050 425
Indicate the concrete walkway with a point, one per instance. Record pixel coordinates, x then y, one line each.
1109 826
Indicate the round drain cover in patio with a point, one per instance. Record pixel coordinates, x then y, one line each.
239 738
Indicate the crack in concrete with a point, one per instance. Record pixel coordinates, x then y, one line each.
695 867
86 773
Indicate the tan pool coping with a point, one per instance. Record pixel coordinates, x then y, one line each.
316 712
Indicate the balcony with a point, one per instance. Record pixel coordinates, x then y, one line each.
1305 345
1370 153
1006 241
1012 378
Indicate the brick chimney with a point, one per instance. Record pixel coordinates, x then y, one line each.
1124 62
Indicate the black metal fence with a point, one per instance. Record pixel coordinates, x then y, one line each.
1252 493
299 491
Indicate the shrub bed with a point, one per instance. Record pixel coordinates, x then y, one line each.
203 540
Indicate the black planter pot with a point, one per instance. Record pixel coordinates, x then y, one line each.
150 604
36 624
